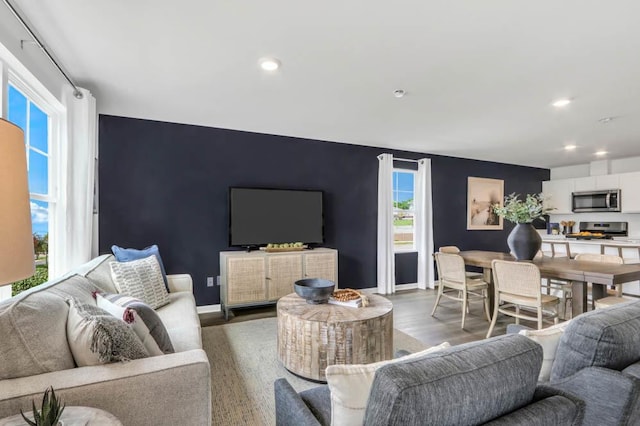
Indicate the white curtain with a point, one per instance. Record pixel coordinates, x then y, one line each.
386 256
424 224
72 239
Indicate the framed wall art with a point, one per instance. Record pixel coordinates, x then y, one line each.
482 194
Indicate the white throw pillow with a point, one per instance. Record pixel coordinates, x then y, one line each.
141 279
350 386
137 324
548 338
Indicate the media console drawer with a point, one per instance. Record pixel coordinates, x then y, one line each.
260 278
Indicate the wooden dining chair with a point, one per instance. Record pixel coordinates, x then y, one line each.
455 285
456 250
616 297
517 286
554 286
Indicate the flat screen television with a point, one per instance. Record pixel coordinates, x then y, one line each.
259 216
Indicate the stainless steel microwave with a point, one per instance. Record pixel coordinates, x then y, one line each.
606 200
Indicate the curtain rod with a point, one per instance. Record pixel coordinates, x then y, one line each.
76 92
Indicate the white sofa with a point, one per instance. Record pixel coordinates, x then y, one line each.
34 354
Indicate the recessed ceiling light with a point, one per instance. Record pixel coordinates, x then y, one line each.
269 64
570 147
601 153
605 120
399 93
561 103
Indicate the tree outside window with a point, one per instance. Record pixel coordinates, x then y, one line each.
404 210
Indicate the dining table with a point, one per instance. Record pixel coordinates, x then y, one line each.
579 273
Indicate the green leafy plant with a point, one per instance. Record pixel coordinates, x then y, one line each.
39 277
517 210
50 411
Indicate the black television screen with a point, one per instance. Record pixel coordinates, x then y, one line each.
262 216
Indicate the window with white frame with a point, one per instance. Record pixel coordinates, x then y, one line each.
39 115
404 209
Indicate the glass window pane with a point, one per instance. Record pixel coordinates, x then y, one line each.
38 128
40 217
405 182
38 173
395 180
17 108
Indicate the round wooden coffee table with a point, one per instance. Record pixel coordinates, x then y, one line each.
311 337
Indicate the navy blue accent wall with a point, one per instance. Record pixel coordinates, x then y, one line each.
167 184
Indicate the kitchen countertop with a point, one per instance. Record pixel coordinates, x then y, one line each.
621 241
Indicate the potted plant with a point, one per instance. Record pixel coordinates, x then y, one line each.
50 411
524 241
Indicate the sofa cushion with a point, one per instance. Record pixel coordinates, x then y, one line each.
141 279
99 272
602 338
181 320
318 400
129 254
145 321
466 384
549 339
76 286
350 385
96 337
33 335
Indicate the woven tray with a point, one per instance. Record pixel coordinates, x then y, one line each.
279 250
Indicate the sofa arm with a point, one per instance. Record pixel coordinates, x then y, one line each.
180 282
610 397
139 392
290 408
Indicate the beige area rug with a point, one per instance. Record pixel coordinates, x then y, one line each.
244 365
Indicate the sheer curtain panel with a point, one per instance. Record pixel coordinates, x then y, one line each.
424 224
386 256
74 209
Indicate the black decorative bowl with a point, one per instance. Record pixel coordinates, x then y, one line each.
314 290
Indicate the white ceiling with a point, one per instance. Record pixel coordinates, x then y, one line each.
479 75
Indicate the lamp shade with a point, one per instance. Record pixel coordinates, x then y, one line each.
16 238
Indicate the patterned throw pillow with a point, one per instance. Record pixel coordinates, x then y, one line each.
144 320
97 337
129 254
141 279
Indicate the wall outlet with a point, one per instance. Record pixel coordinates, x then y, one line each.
209 281
218 280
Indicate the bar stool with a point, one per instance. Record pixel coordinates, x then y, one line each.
559 249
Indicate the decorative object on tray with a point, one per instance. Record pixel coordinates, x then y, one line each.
314 290
349 297
524 241
567 226
50 410
273 248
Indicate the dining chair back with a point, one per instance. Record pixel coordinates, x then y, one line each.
517 285
595 257
456 250
453 283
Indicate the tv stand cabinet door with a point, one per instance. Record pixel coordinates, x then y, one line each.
282 271
322 263
246 280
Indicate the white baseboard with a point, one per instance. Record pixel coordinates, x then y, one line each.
207 309
399 287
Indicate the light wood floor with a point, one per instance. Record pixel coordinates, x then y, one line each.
412 315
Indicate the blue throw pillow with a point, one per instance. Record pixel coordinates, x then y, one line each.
129 254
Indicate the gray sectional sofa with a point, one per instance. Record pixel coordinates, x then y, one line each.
169 389
595 380
492 381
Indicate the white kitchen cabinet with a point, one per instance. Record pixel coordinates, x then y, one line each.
630 192
584 184
558 193
608 181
